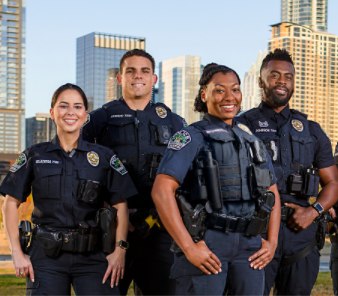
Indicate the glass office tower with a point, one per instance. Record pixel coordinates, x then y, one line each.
97 59
12 79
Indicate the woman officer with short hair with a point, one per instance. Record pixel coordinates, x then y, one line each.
232 250
70 181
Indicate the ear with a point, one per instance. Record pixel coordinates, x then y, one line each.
260 82
119 78
51 111
203 95
154 79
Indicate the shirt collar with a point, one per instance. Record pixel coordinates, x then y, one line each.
150 103
55 145
216 120
269 113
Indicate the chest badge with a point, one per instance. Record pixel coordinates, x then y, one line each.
19 163
93 158
161 112
245 128
263 124
179 140
298 125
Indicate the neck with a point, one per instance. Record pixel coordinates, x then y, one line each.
276 109
137 103
68 141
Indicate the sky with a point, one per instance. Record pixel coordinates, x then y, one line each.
229 32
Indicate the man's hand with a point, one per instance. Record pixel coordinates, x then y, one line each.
302 217
200 255
264 255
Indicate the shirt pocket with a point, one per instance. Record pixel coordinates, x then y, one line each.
47 182
122 131
160 133
91 174
302 150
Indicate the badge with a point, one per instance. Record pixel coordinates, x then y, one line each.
117 165
298 125
245 128
93 158
161 112
184 123
87 121
263 124
179 140
20 162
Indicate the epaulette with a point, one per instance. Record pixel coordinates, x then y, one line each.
294 111
162 105
111 104
248 112
94 111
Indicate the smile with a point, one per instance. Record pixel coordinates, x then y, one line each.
70 121
138 84
281 91
228 107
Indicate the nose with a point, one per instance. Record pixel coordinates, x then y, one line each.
281 80
138 74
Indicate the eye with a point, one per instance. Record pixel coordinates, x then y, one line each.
78 107
145 71
220 90
63 106
236 89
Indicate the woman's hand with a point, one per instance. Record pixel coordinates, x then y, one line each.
115 266
201 256
23 265
264 255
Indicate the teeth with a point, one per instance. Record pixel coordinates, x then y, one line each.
138 84
228 107
69 121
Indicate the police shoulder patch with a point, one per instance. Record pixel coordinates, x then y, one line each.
117 165
179 140
93 158
245 128
19 163
161 112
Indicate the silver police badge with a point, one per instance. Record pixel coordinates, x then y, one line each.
245 128
297 125
93 158
161 112
19 163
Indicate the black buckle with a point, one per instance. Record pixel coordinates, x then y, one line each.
241 225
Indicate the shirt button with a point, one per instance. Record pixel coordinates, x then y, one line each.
285 149
242 156
142 154
284 164
283 134
142 170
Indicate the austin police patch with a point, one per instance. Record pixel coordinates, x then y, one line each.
245 128
117 165
179 140
93 158
20 162
161 112
184 123
297 125
263 124
87 121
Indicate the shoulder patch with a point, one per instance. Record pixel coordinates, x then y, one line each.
19 163
161 112
93 158
179 140
184 123
87 121
117 165
245 128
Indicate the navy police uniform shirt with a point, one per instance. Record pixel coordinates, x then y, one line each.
291 139
55 177
135 136
179 157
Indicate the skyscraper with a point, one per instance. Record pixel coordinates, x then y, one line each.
114 90
312 13
39 129
12 79
251 92
97 56
315 56
178 85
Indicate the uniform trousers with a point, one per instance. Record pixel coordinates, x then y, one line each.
334 267
299 277
233 250
148 263
54 276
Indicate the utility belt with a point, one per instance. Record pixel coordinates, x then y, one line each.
305 182
100 231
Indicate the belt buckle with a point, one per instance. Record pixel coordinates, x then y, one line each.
241 225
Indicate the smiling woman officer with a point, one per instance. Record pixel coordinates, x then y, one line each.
70 179
224 172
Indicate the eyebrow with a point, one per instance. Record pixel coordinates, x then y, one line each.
63 102
224 86
275 71
133 68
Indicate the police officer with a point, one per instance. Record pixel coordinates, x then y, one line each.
232 247
302 157
70 180
139 131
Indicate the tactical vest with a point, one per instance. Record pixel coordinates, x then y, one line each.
233 152
290 146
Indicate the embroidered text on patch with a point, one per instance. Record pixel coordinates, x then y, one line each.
19 163
179 140
117 165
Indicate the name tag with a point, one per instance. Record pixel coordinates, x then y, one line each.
48 161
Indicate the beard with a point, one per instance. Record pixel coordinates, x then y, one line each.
272 99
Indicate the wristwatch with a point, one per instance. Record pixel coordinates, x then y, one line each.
122 244
318 207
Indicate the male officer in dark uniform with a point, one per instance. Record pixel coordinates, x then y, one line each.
302 157
139 132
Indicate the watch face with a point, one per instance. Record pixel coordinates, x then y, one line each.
122 244
319 207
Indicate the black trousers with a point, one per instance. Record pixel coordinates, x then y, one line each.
54 276
148 264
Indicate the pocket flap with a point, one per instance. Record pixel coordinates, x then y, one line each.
121 121
223 136
44 171
182 267
301 139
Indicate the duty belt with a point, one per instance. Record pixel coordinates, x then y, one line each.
286 213
227 224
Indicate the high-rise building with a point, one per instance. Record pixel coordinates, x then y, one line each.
114 90
39 129
251 92
12 78
97 57
312 13
315 56
178 85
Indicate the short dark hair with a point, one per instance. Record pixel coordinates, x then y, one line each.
209 71
139 53
280 54
70 86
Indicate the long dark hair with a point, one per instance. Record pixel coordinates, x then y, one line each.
209 71
70 86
